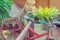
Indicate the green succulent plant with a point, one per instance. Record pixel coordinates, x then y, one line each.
45 13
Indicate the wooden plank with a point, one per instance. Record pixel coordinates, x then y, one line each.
55 3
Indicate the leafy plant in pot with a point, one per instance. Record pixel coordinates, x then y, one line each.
45 14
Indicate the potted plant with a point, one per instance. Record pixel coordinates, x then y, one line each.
45 14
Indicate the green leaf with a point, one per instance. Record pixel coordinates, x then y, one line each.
5 6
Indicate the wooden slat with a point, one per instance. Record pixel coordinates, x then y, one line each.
20 3
42 3
55 3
